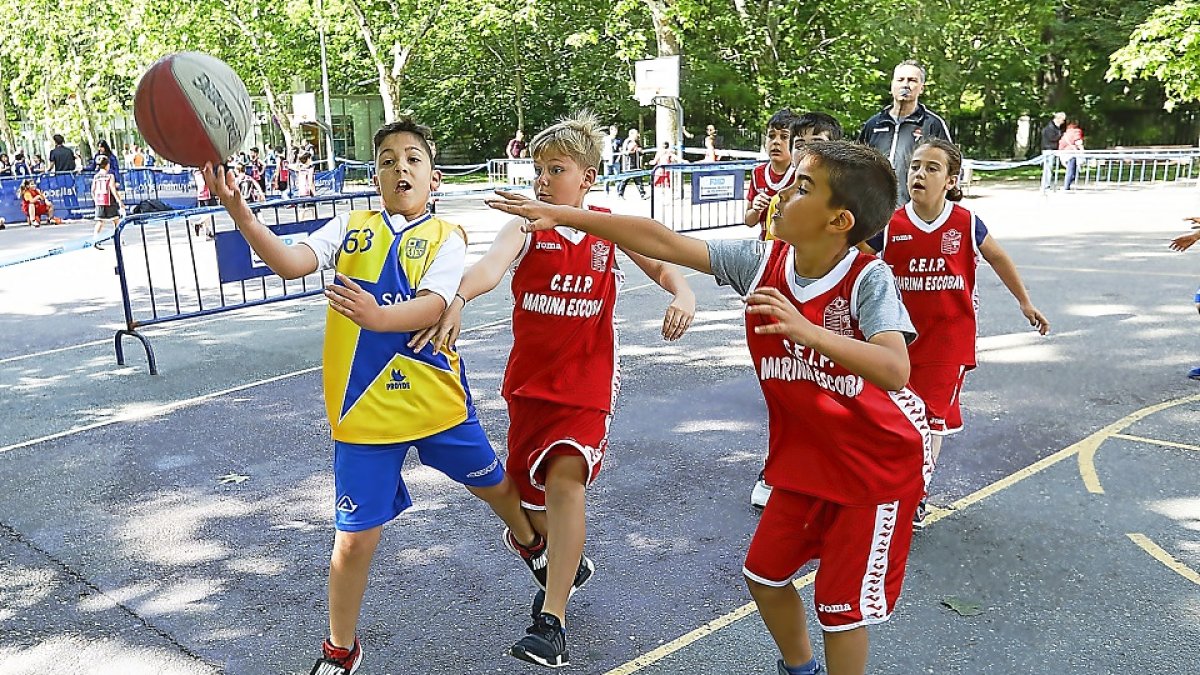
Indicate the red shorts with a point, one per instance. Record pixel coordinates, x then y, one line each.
39 208
539 430
863 551
939 385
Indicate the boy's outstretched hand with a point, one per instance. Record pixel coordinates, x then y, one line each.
538 215
443 334
1184 241
679 316
1036 318
789 321
354 303
221 184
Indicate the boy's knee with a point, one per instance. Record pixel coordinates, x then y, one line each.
356 544
566 469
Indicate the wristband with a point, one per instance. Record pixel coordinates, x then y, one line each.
460 297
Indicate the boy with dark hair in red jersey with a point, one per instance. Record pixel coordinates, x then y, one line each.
828 336
933 246
562 377
771 176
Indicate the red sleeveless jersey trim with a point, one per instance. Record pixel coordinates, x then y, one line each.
935 264
564 336
762 179
833 434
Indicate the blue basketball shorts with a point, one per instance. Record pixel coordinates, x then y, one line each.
369 490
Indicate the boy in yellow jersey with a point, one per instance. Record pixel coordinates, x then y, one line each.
397 270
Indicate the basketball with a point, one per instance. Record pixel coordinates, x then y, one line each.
192 108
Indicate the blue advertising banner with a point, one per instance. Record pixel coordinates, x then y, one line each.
237 262
718 186
71 193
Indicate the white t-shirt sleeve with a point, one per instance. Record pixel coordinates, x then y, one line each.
446 271
326 241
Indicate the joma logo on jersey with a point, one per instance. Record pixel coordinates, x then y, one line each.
399 382
415 248
834 609
549 246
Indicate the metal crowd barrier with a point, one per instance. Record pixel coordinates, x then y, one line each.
700 196
1121 167
188 264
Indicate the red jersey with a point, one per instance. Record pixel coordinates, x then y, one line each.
833 434
564 338
934 264
102 189
766 181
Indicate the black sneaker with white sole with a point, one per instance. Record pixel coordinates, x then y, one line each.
545 643
584 574
533 556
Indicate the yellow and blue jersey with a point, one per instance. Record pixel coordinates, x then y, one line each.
377 390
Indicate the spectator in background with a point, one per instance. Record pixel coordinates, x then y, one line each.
516 146
246 184
710 144
138 160
37 165
281 170
1070 143
663 156
631 156
257 171
62 158
114 169
608 155
20 167
896 130
35 205
5 165
1050 137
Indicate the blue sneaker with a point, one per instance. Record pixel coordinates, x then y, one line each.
1194 373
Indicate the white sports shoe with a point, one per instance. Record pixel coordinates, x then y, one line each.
761 493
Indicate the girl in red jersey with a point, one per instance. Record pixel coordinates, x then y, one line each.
562 376
933 246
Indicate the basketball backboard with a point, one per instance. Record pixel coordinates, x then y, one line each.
656 78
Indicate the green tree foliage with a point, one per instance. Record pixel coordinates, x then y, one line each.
476 70
1166 48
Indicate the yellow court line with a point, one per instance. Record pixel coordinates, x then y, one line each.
1156 441
1089 445
1165 558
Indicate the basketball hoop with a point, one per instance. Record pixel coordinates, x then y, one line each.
656 79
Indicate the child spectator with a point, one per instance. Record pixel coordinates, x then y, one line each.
664 156
562 375
37 165
107 198
35 205
773 175
20 167
375 303
1182 243
804 129
933 246
827 335
247 185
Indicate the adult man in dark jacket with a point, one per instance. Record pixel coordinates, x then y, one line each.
62 158
1053 131
896 130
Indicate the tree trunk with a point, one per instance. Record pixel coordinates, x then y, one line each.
667 122
279 113
391 76
6 132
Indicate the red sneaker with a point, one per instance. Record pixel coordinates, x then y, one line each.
338 661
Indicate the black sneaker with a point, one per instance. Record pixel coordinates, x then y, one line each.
919 515
544 644
338 661
582 575
783 669
534 556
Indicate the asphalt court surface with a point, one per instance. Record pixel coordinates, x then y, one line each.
151 532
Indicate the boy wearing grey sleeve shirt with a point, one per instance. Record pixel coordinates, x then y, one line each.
736 263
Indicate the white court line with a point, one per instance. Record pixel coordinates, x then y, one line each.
176 405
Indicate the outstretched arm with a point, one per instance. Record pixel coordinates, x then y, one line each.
682 309
995 255
641 235
482 277
357 304
1184 241
289 262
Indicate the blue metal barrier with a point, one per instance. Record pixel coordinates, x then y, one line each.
188 264
700 196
